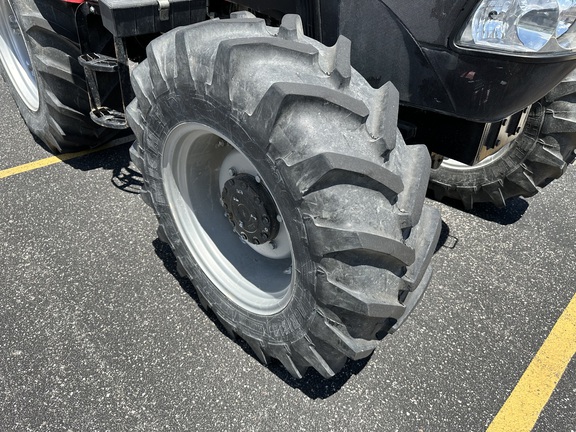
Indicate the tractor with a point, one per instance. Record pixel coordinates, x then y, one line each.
287 147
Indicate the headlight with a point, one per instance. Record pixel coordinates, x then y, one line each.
521 26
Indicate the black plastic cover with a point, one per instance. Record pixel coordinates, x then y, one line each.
125 18
409 43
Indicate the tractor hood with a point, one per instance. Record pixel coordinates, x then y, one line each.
411 43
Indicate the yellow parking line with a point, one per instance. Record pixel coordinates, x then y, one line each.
60 158
520 412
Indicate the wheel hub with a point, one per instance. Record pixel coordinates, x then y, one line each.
250 209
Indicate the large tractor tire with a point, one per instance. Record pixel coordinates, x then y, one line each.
282 185
538 156
39 60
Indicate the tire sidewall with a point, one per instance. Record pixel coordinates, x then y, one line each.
171 110
35 120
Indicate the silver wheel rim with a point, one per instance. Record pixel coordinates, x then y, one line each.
459 166
196 162
15 57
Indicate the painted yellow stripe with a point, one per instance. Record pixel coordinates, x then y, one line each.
520 412
60 158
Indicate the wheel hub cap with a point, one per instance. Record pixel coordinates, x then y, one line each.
250 209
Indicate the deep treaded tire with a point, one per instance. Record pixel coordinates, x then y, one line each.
234 108
58 111
537 157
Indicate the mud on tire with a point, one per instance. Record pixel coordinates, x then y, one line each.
539 155
39 51
286 118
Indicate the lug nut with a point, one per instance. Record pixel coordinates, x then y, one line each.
255 241
258 179
232 172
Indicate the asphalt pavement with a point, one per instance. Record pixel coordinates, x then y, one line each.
99 333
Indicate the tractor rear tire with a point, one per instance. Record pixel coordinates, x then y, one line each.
282 185
39 61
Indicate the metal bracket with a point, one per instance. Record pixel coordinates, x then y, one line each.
164 9
508 130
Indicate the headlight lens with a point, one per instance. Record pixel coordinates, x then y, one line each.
522 26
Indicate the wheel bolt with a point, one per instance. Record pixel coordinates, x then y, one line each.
265 220
244 236
255 241
258 179
232 172
14 24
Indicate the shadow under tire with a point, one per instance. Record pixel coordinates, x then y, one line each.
230 113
